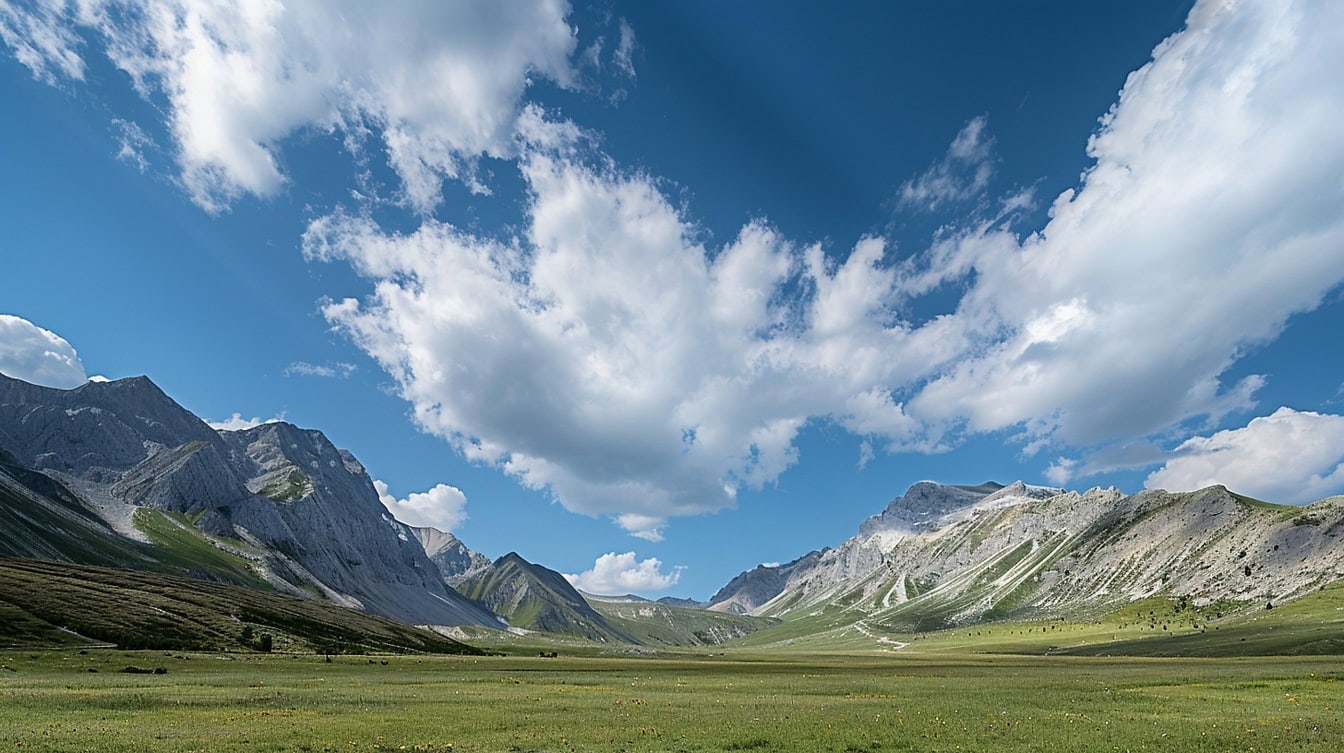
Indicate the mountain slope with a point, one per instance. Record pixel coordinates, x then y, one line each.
302 514
1023 552
658 623
455 561
47 602
750 590
536 598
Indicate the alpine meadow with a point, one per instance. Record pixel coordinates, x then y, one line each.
594 375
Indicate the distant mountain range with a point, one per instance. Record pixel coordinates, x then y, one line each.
116 474
942 556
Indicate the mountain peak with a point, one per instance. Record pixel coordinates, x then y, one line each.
926 501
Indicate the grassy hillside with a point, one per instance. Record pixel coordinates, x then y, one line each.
45 602
1311 625
654 624
182 548
1157 626
41 518
535 598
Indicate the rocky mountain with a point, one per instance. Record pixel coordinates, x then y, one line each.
945 555
749 591
674 601
118 473
455 561
924 504
533 597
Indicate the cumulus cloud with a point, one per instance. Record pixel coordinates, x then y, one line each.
37 355
963 173
1210 215
444 507
339 369
1288 457
618 574
237 422
606 354
439 83
611 354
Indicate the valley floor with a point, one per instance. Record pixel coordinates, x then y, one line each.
51 701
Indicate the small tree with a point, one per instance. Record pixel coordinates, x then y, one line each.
267 642
248 634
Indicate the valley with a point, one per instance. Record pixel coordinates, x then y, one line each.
283 608
737 702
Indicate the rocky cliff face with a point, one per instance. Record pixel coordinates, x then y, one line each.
309 507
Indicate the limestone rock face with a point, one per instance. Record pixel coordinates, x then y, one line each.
310 507
944 555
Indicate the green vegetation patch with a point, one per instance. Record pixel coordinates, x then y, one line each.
183 546
291 486
933 704
147 610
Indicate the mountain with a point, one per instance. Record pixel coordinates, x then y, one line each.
455 561
660 623
943 556
674 601
117 473
748 591
533 597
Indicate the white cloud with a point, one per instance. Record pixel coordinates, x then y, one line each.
1141 453
134 142
37 355
963 173
439 83
647 527
866 454
42 41
623 58
1287 457
1210 216
606 354
617 574
339 369
236 422
610 357
444 507
609 354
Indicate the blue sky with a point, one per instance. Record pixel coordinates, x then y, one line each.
697 283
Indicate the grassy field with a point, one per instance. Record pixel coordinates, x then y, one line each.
50 701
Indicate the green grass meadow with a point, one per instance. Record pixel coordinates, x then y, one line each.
50 701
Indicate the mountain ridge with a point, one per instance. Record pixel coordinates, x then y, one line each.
307 510
1027 552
